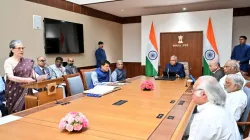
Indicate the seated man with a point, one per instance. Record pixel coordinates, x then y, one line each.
3 109
236 101
217 72
70 68
119 74
176 67
41 68
213 122
231 67
57 69
102 74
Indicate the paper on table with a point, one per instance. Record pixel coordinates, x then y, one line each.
101 89
9 118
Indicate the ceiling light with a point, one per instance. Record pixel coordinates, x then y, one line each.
184 9
122 10
180 1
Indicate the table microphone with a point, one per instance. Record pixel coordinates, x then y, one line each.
51 70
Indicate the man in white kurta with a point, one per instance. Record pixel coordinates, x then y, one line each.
231 67
213 121
236 98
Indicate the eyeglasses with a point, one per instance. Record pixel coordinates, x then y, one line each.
21 48
194 90
42 60
226 66
172 60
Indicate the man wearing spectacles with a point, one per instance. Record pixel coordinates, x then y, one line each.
41 68
213 121
70 68
231 67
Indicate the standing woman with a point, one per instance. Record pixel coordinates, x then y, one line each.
19 71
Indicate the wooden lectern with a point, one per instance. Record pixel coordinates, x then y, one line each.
48 92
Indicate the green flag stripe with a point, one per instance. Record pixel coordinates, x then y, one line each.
206 70
150 70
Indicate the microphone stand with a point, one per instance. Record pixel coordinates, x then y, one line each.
186 83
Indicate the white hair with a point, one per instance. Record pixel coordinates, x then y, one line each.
213 90
119 61
174 57
234 64
237 80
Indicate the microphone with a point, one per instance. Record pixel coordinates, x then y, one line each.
186 83
58 102
168 72
51 70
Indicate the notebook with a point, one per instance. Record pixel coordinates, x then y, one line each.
101 90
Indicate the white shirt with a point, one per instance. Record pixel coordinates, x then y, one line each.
236 103
213 123
58 71
222 80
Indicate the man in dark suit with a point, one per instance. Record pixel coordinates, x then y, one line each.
217 72
175 67
41 68
70 68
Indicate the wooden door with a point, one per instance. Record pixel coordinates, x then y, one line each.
187 46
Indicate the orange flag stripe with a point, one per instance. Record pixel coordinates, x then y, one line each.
210 36
152 37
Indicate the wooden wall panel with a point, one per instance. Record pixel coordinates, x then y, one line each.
65 5
191 54
132 68
62 4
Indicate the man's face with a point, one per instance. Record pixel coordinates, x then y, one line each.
119 65
242 40
71 61
58 63
228 68
229 85
199 95
41 62
105 67
212 67
173 61
101 46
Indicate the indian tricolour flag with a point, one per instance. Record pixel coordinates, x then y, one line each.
210 49
152 54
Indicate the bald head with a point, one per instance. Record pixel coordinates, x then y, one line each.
71 61
231 67
41 61
214 65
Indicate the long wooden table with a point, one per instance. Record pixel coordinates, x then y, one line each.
134 120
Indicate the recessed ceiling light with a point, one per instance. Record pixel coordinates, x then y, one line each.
181 1
122 10
184 9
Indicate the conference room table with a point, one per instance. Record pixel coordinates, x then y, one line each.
160 114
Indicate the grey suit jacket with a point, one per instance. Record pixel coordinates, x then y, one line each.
40 72
218 74
69 69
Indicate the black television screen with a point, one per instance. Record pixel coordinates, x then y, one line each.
63 37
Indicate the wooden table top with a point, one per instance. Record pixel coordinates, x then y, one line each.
134 120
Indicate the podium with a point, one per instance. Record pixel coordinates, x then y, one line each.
48 92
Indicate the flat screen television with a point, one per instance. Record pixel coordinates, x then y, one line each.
62 37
